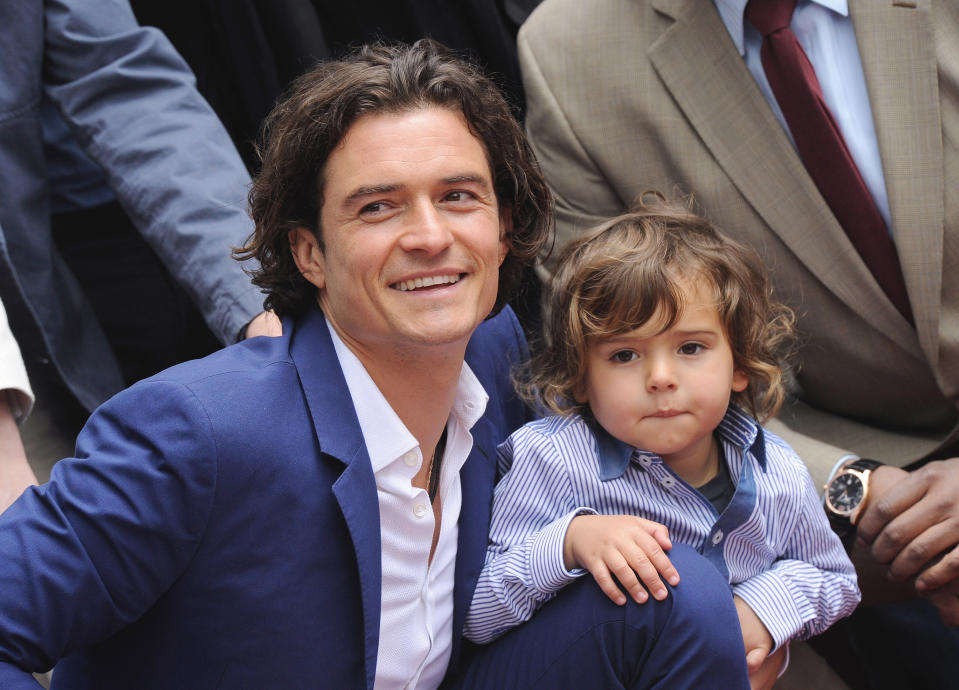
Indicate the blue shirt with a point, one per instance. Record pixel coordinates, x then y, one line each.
772 542
826 34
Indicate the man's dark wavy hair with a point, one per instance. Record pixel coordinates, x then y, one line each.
316 113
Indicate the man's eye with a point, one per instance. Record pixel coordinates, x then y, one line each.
373 208
690 348
459 195
623 356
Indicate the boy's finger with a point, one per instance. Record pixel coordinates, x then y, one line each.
627 578
755 658
643 567
605 582
660 561
658 531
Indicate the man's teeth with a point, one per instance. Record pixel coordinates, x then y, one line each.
405 285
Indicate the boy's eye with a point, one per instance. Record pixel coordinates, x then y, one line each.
623 356
690 348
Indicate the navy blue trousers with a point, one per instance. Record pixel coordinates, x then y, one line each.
581 639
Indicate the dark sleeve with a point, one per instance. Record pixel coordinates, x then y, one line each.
90 551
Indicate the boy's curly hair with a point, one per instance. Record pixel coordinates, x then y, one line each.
615 278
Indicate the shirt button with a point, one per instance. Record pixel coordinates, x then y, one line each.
419 510
718 537
645 460
410 459
669 482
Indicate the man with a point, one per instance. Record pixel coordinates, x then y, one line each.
628 95
312 510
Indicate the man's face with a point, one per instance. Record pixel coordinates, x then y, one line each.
412 233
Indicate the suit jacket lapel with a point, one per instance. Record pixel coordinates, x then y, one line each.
476 479
700 66
339 436
898 56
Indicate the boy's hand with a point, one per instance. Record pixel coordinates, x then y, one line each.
624 546
763 668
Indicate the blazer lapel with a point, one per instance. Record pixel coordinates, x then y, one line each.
898 56
476 479
700 66
339 436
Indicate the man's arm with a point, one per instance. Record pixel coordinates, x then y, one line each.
132 102
91 550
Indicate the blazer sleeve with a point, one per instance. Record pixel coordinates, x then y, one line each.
90 551
132 102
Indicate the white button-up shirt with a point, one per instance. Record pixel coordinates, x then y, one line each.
416 615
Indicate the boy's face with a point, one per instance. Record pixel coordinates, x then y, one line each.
665 392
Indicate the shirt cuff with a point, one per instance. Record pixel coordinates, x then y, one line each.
770 598
552 575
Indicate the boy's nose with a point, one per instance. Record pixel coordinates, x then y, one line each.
660 377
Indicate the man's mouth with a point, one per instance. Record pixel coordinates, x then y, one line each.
427 282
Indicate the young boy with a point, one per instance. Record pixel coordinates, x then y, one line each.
659 332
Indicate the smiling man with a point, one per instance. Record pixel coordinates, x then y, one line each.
312 510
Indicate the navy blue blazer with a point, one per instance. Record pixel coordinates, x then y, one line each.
219 527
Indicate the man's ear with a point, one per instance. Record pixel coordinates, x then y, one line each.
307 255
505 231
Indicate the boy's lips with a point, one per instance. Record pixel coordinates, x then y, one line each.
666 413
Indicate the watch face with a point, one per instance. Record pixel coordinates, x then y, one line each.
845 493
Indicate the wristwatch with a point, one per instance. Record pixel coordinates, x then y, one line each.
845 496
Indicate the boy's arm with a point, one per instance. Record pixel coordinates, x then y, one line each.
811 585
524 561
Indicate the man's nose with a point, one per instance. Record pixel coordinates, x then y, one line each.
426 229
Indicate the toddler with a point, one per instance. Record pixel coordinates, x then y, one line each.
661 341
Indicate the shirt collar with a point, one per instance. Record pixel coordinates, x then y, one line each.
386 437
737 428
732 13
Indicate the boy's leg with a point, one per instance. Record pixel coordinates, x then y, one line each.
581 639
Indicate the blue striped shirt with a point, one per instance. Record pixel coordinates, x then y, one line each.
772 542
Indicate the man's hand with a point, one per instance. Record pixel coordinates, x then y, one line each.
763 667
911 524
265 323
624 546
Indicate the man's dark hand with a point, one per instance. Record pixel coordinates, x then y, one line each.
911 524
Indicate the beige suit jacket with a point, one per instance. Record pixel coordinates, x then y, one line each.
629 95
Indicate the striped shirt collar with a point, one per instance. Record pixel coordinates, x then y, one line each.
737 429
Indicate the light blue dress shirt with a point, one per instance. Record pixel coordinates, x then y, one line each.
772 542
826 34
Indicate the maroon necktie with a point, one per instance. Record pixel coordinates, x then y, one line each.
822 148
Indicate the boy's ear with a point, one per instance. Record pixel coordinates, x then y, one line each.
579 393
740 380
307 255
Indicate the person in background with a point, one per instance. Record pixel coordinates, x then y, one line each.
88 97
